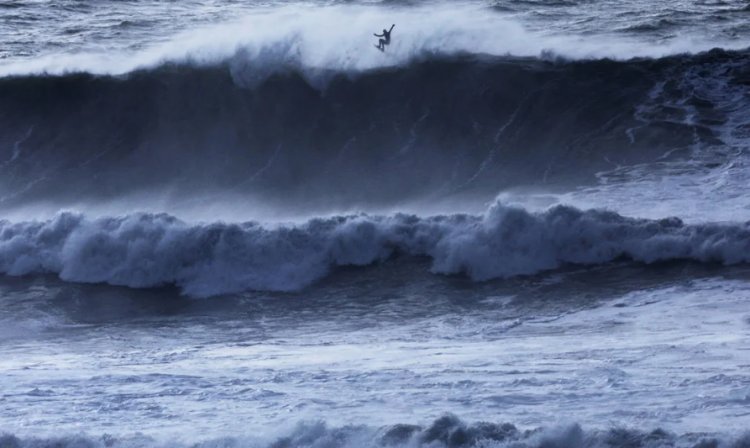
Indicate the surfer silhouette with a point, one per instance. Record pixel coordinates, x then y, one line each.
386 38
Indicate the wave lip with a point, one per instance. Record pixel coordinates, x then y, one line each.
339 37
149 250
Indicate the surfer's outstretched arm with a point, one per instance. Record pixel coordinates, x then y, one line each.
391 27
378 35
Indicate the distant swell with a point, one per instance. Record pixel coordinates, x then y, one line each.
144 250
445 432
437 126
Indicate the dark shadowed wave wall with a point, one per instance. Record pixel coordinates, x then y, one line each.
435 127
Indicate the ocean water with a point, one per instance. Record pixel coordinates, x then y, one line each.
237 224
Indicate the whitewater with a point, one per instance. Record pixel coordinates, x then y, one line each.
238 224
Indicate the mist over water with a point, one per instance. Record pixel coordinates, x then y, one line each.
116 37
239 224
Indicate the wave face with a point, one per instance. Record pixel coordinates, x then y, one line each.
433 127
146 250
445 432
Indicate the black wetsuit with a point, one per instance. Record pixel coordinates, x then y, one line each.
386 38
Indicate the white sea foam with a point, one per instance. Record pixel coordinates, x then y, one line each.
147 250
447 431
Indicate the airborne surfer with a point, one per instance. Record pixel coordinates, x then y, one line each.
386 38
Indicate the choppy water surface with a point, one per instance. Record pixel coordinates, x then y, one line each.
238 224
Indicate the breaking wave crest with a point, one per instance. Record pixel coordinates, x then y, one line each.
339 37
149 250
445 432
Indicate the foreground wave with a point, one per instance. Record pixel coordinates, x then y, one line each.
447 431
149 250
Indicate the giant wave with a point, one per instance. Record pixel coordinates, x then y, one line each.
147 250
437 126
